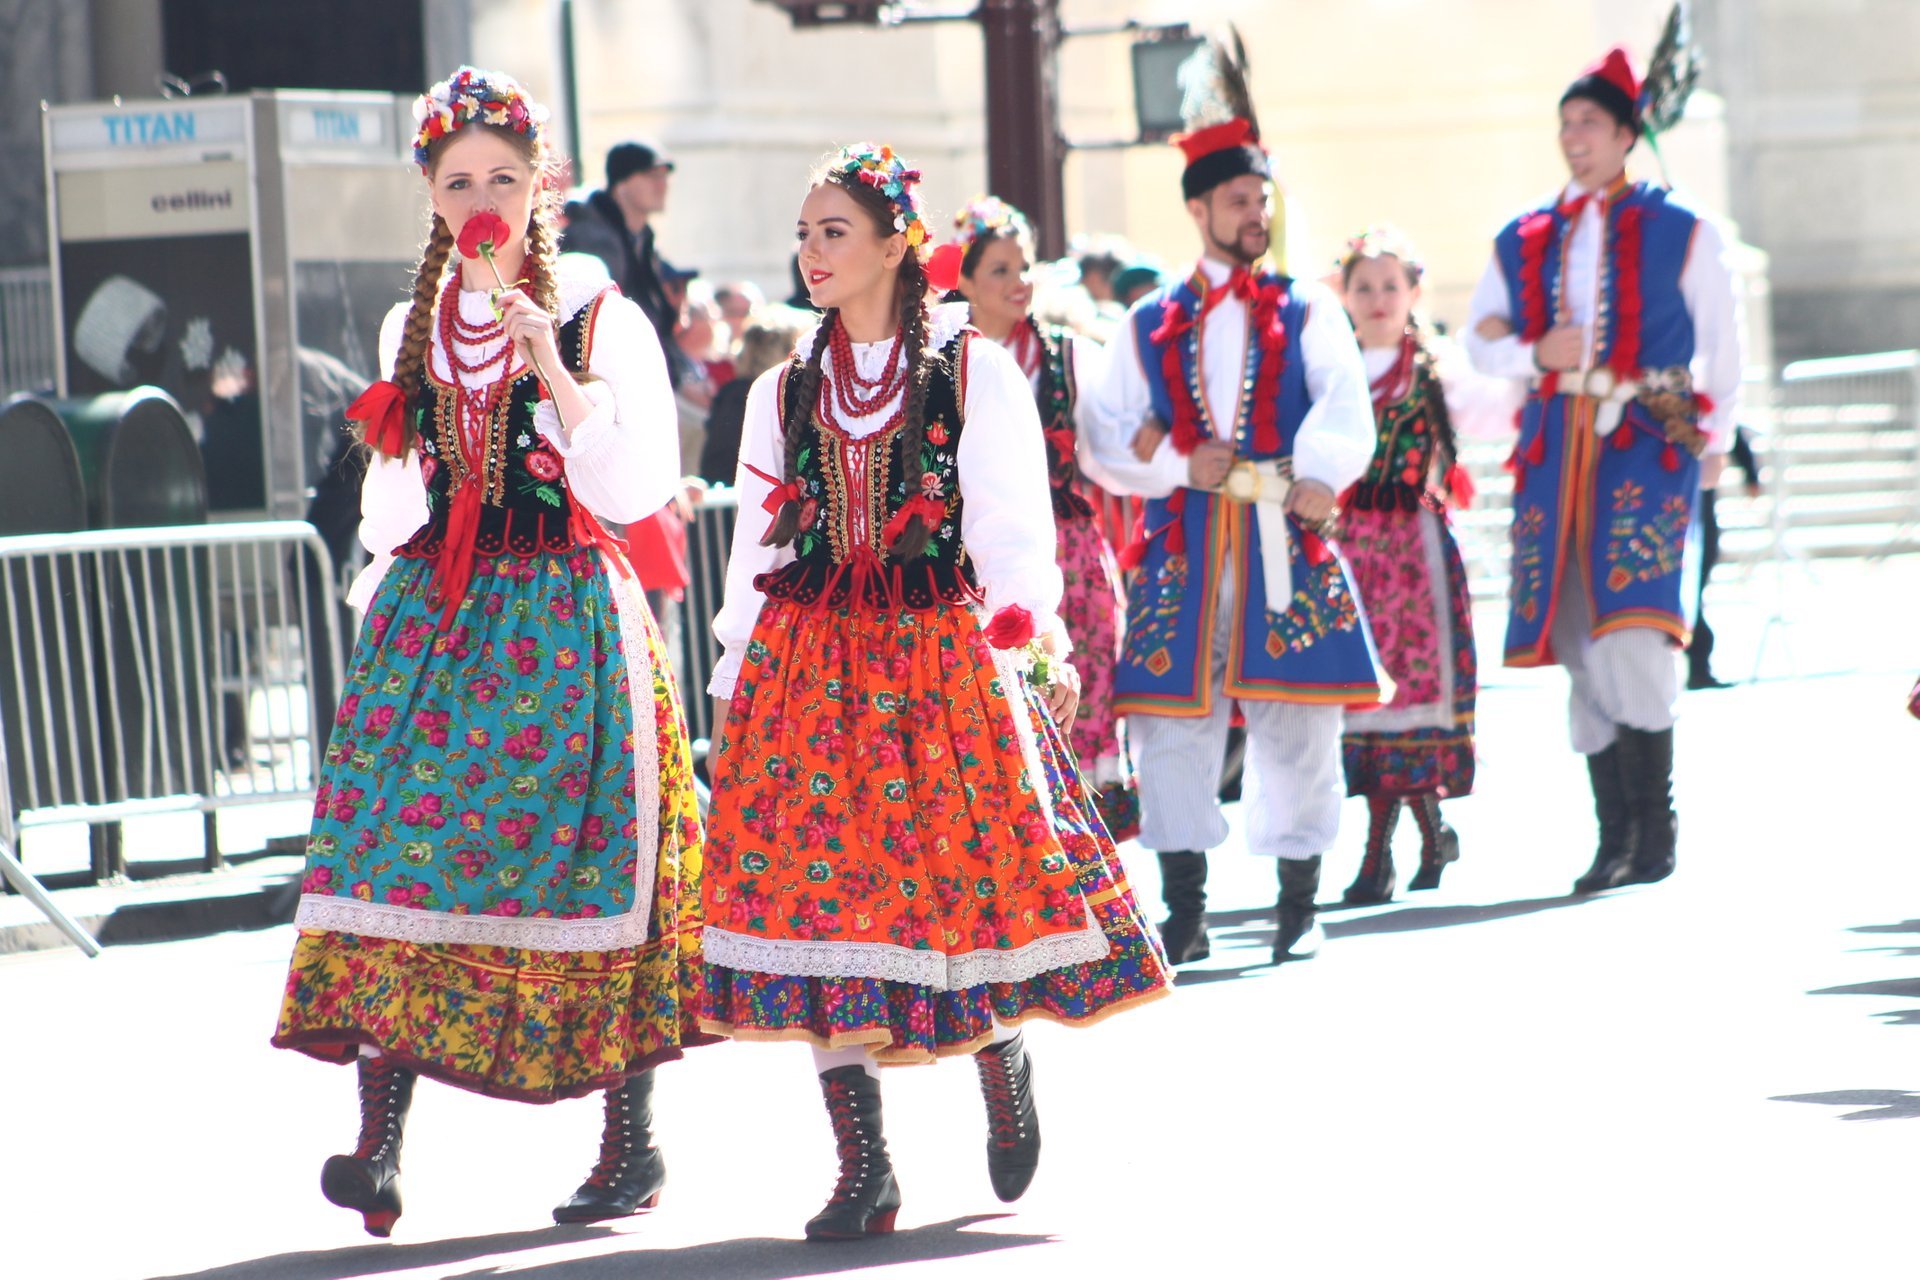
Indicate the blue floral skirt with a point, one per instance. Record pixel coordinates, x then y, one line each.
502 885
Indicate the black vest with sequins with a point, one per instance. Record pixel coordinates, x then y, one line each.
850 488
526 505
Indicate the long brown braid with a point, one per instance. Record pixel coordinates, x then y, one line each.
797 414
543 238
796 426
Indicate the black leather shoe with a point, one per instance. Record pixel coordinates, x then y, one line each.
1183 887
1299 935
1614 856
1647 767
630 1172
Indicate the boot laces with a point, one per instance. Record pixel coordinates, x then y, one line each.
1005 1097
378 1110
616 1147
851 1144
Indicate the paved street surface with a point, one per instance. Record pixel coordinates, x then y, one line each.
1713 1077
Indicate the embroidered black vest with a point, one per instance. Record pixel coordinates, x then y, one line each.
1057 394
850 488
526 507
1410 434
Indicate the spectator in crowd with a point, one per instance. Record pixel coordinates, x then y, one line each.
738 299
1130 284
768 338
1700 647
615 225
1098 267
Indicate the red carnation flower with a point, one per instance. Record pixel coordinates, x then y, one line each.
483 233
1010 628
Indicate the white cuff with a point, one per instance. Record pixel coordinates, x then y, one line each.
726 675
366 583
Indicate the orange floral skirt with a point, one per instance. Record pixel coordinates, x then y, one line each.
900 851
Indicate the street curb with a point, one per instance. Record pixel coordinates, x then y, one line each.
257 896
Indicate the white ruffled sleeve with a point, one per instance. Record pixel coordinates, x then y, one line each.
1089 367
760 444
393 494
623 461
1335 441
1007 521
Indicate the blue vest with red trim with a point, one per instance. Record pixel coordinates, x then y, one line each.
1621 507
1316 648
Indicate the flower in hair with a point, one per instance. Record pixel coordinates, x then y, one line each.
886 173
988 216
471 96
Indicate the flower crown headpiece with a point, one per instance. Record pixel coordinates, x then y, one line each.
1382 242
472 96
886 173
987 217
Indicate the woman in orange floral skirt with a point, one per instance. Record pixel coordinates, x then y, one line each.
902 862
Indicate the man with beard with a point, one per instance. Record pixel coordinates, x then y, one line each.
1237 405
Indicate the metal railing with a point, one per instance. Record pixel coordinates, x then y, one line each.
709 542
1845 455
26 330
164 670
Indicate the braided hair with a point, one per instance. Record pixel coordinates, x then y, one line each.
542 240
797 413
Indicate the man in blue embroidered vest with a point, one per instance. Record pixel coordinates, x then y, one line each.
1236 597
1615 302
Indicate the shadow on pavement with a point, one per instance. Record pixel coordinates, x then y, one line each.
752 1259
1905 987
1402 920
380 1259
1880 1104
1905 926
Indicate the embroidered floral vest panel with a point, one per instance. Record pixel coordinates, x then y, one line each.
1408 434
526 506
1056 395
1642 321
850 489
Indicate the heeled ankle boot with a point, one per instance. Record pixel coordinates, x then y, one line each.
1299 935
1439 843
630 1172
1375 882
369 1179
865 1198
1013 1127
1614 856
1183 887
1647 769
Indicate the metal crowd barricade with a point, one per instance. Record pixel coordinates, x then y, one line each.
163 670
709 541
1845 455
26 329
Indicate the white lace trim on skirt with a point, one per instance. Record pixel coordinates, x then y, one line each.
537 933
890 963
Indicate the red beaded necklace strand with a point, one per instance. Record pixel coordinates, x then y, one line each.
456 329
859 397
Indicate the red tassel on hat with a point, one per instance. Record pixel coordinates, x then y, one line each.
1670 458
1536 452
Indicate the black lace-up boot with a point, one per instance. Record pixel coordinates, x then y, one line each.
1013 1128
630 1172
865 1198
369 1179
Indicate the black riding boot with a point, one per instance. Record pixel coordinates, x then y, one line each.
1013 1128
630 1172
1298 937
1647 768
1183 887
1614 857
1375 882
1439 843
866 1198
369 1179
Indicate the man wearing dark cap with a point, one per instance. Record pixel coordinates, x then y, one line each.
1236 404
1614 301
614 224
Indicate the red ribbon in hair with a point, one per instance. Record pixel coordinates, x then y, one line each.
783 491
943 267
382 412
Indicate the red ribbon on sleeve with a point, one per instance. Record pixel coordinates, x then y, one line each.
382 412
